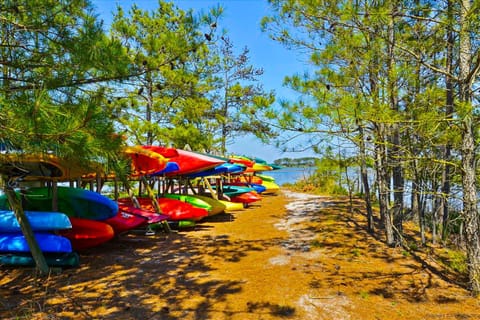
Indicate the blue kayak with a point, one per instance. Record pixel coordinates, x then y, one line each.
48 242
170 167
39 221
220 169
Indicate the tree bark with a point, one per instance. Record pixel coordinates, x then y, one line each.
470 210
382 180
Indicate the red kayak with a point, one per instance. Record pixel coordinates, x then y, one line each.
86 233
164 151
126 220
174 209
246 198
191 162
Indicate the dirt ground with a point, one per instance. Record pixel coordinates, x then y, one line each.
291 256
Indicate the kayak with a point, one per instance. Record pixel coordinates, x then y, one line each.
270 187
241 159
170 167
192 199
69 259
259 188
15 242
173 208
259 167
39 221
217 205
231 190
220 169
144 161
163 151
149 216
42 166
125 220
74 202
86 233
191 162
232 206
246 198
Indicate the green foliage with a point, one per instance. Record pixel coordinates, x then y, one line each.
51 87
239 100
163 101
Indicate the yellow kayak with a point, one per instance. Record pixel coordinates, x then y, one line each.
271 187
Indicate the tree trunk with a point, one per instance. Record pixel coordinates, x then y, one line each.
448 115
470 210
37 254
382 180
395 153
366 185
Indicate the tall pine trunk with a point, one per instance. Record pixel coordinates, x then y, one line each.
395 153
382 181
470 210
364 178
448 115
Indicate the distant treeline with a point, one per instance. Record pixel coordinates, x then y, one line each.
296 162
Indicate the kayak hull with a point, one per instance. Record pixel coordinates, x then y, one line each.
38 220
15 242
86 233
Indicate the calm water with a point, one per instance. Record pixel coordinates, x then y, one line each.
289 175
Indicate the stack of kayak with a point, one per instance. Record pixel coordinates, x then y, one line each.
195 186
14 249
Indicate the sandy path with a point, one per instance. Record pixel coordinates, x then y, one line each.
292 256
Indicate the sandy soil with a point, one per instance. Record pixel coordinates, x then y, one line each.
291 256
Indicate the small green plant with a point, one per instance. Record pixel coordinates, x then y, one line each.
413 246
363 294
356 252
457 261
316 244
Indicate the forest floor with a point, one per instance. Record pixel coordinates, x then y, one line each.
290 256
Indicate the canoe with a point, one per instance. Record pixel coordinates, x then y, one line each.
144 161
15 242
174 209
39 221
192 162
86 233
70 259
74 202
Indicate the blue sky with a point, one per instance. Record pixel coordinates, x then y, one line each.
241 19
